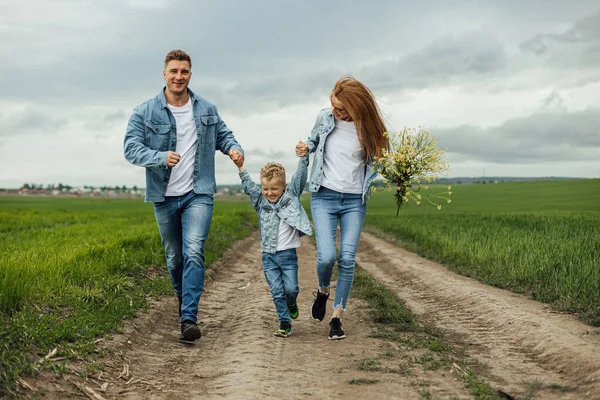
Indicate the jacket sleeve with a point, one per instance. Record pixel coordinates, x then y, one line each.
300 176
251 189
134 146
225 139
313 140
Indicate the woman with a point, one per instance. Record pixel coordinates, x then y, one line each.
344 139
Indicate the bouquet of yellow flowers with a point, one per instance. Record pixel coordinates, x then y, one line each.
412 161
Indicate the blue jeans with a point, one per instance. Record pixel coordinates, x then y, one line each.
183 222
328 207
281 272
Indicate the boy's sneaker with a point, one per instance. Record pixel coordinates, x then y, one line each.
284 330
319 306
189 332
293 309
335 329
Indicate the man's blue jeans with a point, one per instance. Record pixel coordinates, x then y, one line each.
328 207
281 272
183 222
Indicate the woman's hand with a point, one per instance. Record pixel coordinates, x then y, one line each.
301 149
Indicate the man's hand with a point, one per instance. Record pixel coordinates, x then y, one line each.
172 158
237 157
301 149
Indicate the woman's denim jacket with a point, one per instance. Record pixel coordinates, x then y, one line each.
152 132
316 143
287 207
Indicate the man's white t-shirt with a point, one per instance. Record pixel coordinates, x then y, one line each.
343 160
181 180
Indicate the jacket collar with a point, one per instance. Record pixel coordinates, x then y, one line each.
163 100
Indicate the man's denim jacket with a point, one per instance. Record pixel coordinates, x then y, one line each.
152 132
287 207
316 143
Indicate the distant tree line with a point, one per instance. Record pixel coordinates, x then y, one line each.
60 186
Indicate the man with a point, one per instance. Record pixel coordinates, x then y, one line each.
174 136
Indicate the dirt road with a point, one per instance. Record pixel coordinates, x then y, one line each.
519 342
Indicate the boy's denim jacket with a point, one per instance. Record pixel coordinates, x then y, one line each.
316 143
287 207
151 132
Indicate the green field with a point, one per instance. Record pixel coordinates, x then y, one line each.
73 269
539 238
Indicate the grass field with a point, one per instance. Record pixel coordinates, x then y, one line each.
539 238
73 269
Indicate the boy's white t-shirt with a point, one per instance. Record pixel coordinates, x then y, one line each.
343 160
181 180
288 237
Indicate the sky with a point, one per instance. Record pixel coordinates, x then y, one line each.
510 88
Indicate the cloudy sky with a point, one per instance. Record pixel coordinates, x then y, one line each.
511 88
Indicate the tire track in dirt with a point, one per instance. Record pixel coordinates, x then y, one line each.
237 356
517 339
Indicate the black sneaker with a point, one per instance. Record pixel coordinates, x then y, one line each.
284 330
293 309
335 329
180 300
319 306
189 332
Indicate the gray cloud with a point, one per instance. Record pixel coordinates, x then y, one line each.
30 120
102 121
577 47
83 65
543 136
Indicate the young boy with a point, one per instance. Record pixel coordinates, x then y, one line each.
282 220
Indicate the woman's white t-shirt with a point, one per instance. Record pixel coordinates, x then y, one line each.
343 160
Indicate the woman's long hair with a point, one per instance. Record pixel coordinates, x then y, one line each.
364 111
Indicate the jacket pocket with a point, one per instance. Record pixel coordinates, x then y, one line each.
157 136
208 128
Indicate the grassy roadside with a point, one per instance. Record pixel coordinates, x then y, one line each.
74 269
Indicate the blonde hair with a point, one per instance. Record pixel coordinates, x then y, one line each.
362 107
178 55
272 170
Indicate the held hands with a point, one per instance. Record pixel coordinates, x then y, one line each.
172 158
238 159
301 149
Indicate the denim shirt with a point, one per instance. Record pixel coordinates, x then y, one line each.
316 144
287 207
152 131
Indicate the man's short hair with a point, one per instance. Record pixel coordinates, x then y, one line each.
178 55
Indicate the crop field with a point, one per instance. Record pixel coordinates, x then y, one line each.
539 238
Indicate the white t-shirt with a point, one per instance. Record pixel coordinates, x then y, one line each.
181 180
287 237
343 160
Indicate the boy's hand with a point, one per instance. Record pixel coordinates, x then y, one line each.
301 149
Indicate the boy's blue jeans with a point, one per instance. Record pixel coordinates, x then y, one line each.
281 272
328 207
184 222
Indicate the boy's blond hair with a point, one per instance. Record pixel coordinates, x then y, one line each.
272 170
